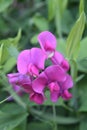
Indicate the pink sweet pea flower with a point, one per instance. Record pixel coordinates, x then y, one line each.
50 74
31 61
57 81
47 42
58 89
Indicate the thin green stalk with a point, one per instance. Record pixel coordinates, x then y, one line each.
54 117
74 72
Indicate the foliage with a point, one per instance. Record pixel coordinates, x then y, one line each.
22 20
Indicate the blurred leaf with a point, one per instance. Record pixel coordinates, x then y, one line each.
83 49
61 46
82 65
13 116
22 126
67 21
60 7
9 64
81 6
51 9
7 48
13 41
8 108
40 22
3 54
58 119
13 51
82 87
73 66
83 124
73 40
3 26
37 125
34 39
4 4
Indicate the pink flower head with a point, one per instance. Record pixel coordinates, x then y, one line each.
31 61
57 81
58 59
51 73
34 79
58 89
47 42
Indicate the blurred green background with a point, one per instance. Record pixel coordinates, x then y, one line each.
20 23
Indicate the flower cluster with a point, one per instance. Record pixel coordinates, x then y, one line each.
34 78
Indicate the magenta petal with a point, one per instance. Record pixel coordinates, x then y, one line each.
55 73
13 78
30 61
57 58
54 96
37 57
32 69
66 95
18 80
38 98
23 61
65 65
54 91
39 83
47 41
68 83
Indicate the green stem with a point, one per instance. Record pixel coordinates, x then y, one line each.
74 72
54 117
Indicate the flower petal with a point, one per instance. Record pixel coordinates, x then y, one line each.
30 61
65 65
47 41
66 95
37 57
57 58
55 73
23 61
39 83
38 98
54 91
68 83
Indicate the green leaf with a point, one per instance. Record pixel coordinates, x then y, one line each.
73 40
82 65
60 8
12 117
34 39
61 46
51 9
37 125
83 124
83 49
9 48
3 54
82 88
13 51
22 126
58 119
14 41
81 6
9 64
4 4
40 22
